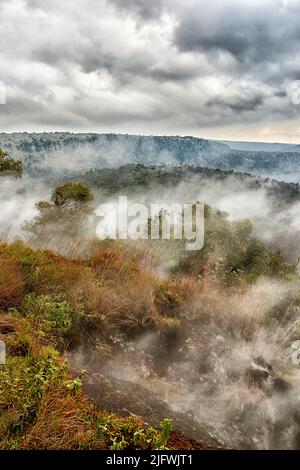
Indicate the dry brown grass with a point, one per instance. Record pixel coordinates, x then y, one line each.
60 422
7 324
43 408
11 283
116 292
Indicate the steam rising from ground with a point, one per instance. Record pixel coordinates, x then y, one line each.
18 198
226 367
276 222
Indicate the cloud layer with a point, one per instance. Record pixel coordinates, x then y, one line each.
224 69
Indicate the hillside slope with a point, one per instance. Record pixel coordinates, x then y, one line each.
57 153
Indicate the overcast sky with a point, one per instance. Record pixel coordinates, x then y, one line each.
227 69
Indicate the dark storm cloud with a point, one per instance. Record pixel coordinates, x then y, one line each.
280 94
171 66
251 32
238 104
190 37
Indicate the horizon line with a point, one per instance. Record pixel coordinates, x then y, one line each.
150 135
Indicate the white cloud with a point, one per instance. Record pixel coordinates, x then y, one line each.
169 67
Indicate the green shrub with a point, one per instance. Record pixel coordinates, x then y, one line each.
23 383
53 312
10 165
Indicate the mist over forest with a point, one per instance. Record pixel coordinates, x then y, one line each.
206 339
149 231
67 153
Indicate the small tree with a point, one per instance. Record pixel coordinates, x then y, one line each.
10 165
66 217
72 194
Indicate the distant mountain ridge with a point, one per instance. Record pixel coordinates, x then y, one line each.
260 146
68 153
